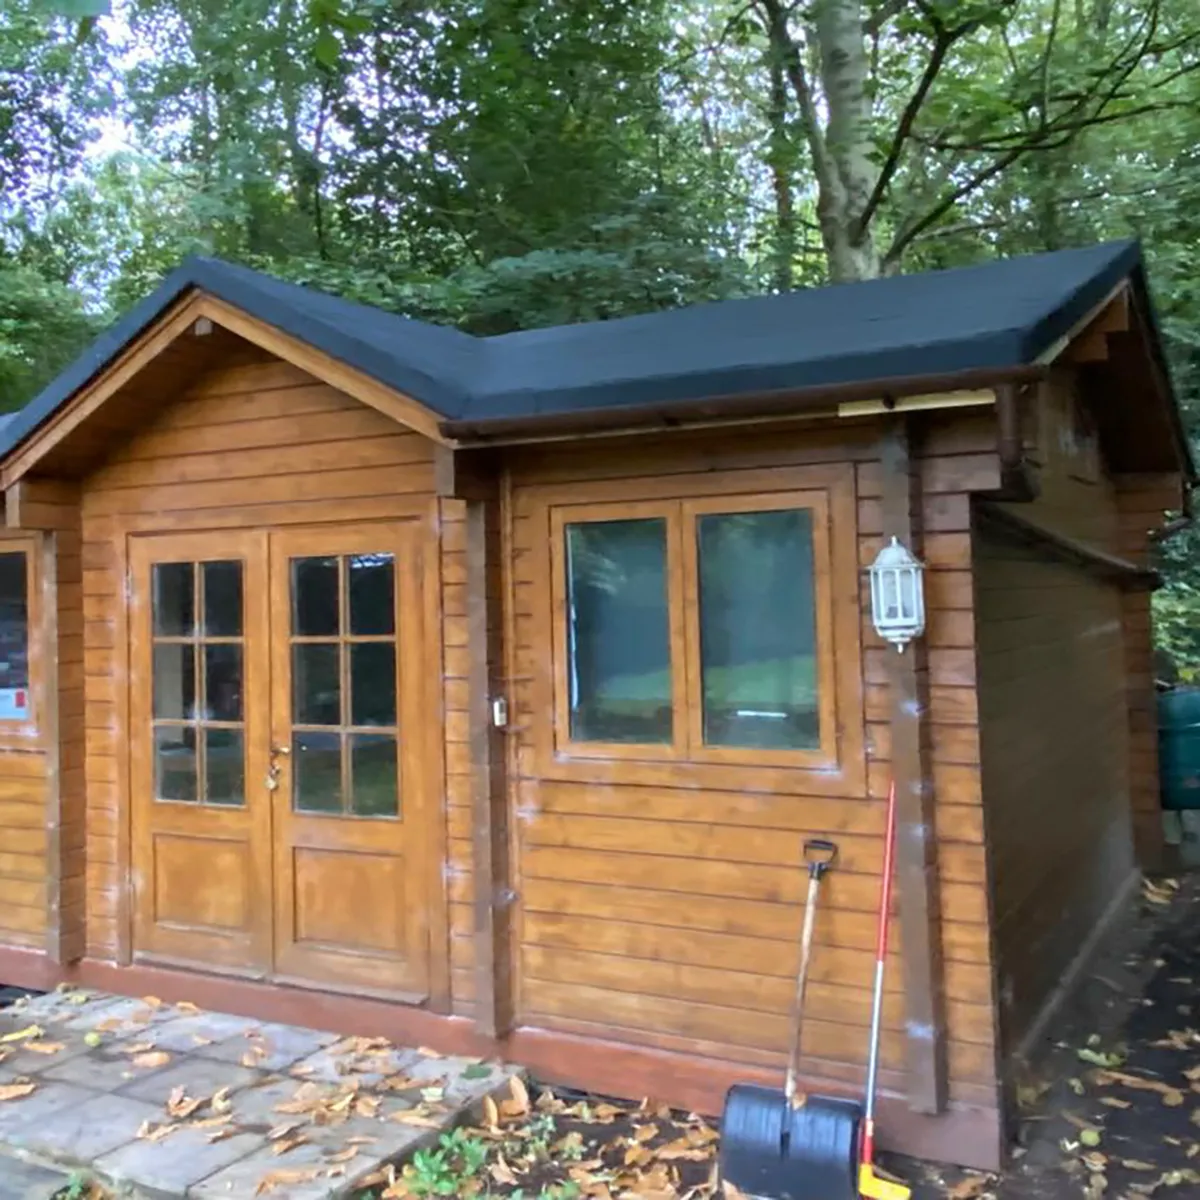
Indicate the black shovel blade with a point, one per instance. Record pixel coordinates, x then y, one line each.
772 1150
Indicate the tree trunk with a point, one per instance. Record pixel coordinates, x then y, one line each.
782 169
842 51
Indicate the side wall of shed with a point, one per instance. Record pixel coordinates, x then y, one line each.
1053 641
666 916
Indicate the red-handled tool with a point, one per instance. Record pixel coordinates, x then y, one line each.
869 1184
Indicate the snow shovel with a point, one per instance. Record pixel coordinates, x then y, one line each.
775 1144
870 1185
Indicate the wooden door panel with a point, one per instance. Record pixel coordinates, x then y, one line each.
349 812
198 738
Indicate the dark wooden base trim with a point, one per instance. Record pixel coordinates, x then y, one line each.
1089 948
969 1137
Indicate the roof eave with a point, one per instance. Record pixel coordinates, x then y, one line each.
726 409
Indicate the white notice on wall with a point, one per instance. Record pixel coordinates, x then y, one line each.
14 704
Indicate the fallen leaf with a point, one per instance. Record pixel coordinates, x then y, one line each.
476 1071
282 1131
413 1116
277 1179
45 1047
1114 1102
181 1105
1135 1164
970 1187
221 1102
428 1053
200 1040
1099 1059
138 1047
343 1156
518 1104
16 1091
285 1144
148 1131
491 1114
187 1006
156 1058
21 1035
212 1122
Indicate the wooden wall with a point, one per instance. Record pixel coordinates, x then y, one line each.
1143 503
23 848
255 445
1052 707
1053 641
668 916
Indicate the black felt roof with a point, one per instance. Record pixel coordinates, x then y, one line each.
993 317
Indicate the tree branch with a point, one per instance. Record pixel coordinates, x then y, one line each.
783 43
908 117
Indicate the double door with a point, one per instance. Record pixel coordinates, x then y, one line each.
279 820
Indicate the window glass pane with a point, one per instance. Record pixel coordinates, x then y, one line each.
758 630
223 682
618 634
224 767
316 685
372 594
223 599
175 762
314 597
375 789
14 638
175 680
173 602
373 684
317 772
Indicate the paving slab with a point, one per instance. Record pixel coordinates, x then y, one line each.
45 1101
102 1071
77 1134
199 1077
195 1031
176 1163
272 1047
341 1061
91 1100
243 1177
28 1181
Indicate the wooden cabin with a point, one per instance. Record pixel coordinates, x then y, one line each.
481 692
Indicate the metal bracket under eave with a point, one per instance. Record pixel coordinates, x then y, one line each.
975 398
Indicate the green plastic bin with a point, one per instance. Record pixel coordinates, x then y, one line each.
1179 748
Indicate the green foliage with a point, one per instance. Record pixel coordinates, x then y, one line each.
444 1171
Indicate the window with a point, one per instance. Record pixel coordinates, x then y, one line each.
14 636
345 728
618 633
695 629
198 678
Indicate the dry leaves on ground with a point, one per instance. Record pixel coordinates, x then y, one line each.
17 1090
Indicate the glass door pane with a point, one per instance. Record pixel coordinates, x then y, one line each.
198 681
345 728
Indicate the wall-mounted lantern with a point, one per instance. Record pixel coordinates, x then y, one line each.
897 595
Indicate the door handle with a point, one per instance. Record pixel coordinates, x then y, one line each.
283 751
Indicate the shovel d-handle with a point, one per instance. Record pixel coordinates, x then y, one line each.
819 856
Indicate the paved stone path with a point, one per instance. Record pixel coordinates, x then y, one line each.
170 1101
